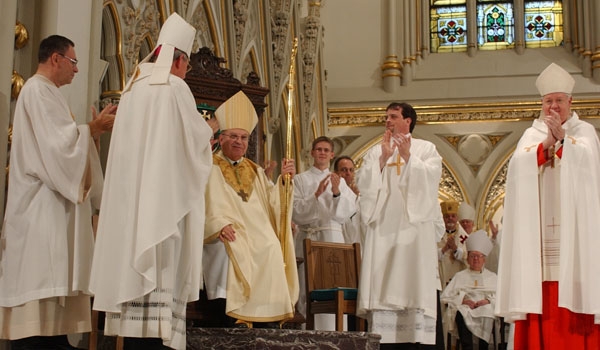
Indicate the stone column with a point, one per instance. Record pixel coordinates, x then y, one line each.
406 32
472 28
8 19
391 70
519 16
596 43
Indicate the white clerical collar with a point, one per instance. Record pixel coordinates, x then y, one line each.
233 162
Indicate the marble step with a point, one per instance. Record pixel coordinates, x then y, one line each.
280 339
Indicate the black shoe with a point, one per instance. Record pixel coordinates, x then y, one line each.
58 342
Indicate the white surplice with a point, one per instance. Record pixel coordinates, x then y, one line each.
399 274
319 219
574 208
475 286
147 262
47 239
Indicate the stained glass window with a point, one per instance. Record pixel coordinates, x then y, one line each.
448 26
495 24
543 23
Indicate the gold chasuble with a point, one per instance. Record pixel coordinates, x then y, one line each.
239 176
260 286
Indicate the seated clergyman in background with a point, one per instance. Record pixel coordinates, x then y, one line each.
471 294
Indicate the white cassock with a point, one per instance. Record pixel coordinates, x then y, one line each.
319 219
47 240
475 286
147 262
565 226
399 274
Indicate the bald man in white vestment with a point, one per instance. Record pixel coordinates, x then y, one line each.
398 182
55 180
147 262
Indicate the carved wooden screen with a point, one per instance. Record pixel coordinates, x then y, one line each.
212 85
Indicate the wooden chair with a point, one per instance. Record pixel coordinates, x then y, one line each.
332 274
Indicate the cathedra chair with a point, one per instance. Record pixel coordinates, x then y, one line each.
332 271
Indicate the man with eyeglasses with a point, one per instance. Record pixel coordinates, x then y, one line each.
322 203
470 296
352 229
55 181
244 262
147 261
548 284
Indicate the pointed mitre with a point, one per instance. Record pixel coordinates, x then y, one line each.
466 212
237 113
175 33
479 241
554 79
449 207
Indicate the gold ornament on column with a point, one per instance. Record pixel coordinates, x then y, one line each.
21 35
16 82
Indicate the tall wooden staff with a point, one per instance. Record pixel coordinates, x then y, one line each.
287 178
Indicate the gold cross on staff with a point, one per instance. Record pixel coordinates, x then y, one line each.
397 164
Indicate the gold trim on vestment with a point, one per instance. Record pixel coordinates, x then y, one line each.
240 177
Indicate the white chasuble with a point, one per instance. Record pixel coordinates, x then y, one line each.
399 281
148 255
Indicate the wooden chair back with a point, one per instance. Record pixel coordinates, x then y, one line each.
332 275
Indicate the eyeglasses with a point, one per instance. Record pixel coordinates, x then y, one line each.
233 137
189 66
72 60
476 256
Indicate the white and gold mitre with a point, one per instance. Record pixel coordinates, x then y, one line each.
175 33
237 113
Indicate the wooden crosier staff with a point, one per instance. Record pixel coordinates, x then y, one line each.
287 178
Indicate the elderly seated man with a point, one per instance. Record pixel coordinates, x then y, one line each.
470 295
